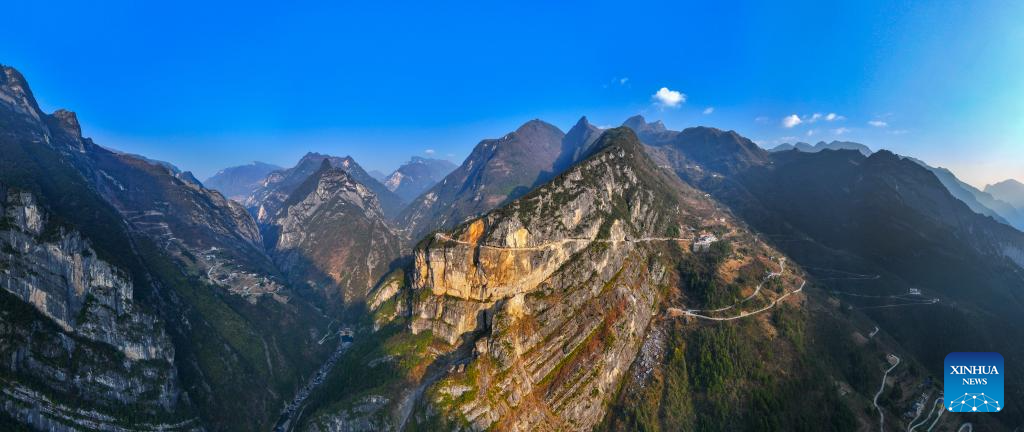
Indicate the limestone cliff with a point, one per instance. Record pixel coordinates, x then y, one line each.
536 310
85 319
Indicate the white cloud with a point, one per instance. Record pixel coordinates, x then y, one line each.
878 123
429 152
899 131
810 132
669 98
709 110
830 117
623 81
762 120
840 131
791 120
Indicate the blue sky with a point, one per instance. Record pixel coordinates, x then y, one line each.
211 84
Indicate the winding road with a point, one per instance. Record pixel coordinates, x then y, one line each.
747 314
881 414
543 246
939 405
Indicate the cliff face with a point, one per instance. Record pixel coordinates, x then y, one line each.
331 235
71 328
537 309
554 292
133 291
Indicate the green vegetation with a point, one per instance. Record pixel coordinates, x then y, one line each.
728 376
385 362
699 276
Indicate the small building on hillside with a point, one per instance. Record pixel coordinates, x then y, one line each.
704 242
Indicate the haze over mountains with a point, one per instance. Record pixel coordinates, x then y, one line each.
634 278
1010 191
240 181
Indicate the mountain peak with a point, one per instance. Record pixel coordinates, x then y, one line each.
635 122
15 86
68 121
1008 183
536 125
640 125
620 138
1010 191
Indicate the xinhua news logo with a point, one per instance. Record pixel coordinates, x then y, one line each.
974 382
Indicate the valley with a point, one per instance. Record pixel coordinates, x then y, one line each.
603 278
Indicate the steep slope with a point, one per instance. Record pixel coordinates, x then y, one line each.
279 185
416 176
577 144
239 182
1010 191
133 297
68 310
497 171
536 315
331 236
876 227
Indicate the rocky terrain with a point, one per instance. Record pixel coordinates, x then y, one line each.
134 298
275 189
68 313
635 278
332 236
535 313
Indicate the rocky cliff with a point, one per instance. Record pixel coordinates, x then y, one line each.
134 297
66 315
331 234
537 310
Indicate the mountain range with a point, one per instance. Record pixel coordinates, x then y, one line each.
1009 191
822 145
981 202
629 278
238 182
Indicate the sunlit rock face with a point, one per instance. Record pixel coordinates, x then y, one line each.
552 293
